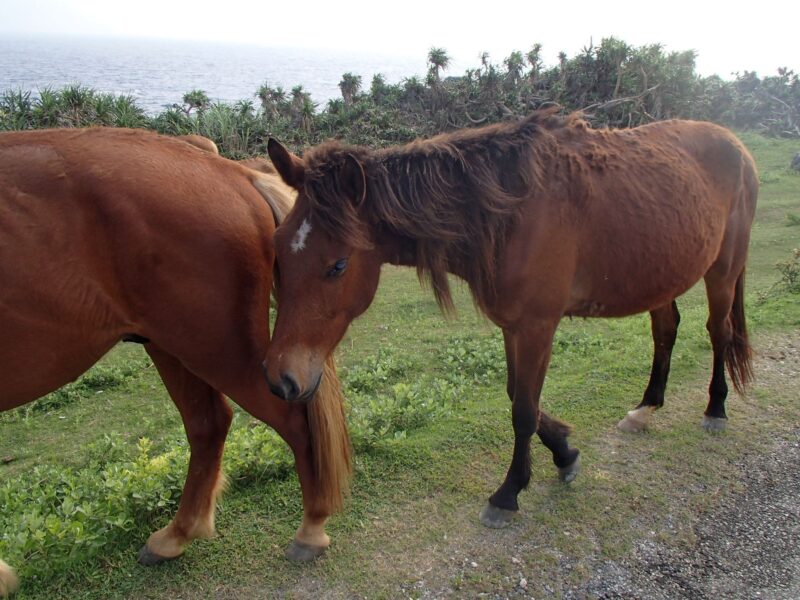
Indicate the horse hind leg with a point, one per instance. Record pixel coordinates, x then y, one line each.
553 434
206 418
728 332
8 580
664 323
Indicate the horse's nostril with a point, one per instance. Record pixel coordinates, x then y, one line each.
290 387
287 388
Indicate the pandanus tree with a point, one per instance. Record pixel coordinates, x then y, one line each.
350 85
438 60
196 99
272 99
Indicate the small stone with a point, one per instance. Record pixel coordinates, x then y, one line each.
523 583
473 564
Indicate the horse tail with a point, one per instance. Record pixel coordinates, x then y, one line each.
739 354
330 440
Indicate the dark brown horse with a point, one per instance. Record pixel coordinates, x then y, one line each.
543 217
110 235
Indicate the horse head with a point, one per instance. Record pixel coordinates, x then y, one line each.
328 267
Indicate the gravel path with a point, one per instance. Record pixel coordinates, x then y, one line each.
749 548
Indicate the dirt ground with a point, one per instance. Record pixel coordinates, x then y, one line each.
749 547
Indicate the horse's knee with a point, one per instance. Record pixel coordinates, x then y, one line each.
208 431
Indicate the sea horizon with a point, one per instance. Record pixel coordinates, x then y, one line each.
158 72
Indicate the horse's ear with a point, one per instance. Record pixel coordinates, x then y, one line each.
354 179
290 167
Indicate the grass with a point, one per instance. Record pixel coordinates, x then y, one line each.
417 491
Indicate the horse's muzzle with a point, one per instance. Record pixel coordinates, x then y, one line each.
288 389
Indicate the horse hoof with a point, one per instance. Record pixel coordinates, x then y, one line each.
8 580
568 474
714 424
300 552
636 420
151 559
496 518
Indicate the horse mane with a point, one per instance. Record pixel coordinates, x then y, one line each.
279 196
451 197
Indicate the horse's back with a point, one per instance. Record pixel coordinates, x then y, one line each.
681 188
113 232
647 211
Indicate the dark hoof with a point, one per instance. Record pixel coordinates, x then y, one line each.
567 474
496 518
150 559
714 424
300 552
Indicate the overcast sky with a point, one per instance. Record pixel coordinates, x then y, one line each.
728 37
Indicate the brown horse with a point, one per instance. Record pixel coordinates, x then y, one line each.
543 217
112 235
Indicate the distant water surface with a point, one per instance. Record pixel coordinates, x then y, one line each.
158 72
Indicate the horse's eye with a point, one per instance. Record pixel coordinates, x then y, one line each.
338 268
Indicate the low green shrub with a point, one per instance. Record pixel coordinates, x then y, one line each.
790 272
56 517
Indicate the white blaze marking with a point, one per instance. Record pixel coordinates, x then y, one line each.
299 241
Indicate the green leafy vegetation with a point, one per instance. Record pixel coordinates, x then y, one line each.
790 272
614 83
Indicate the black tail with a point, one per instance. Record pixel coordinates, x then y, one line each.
739 355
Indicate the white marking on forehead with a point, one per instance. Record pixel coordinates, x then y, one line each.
299 241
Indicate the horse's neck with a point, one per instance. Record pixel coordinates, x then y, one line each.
399 251
403 252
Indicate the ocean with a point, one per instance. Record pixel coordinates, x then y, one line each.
159 72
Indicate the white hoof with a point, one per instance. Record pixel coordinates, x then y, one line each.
496 518
637 420
569 473
714 424
8 580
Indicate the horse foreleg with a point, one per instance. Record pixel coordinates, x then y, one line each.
528 356
292 424
664 325
206 418
8 580
310 540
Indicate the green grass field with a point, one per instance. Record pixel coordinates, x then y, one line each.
432 433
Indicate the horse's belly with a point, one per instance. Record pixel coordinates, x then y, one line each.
635 282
